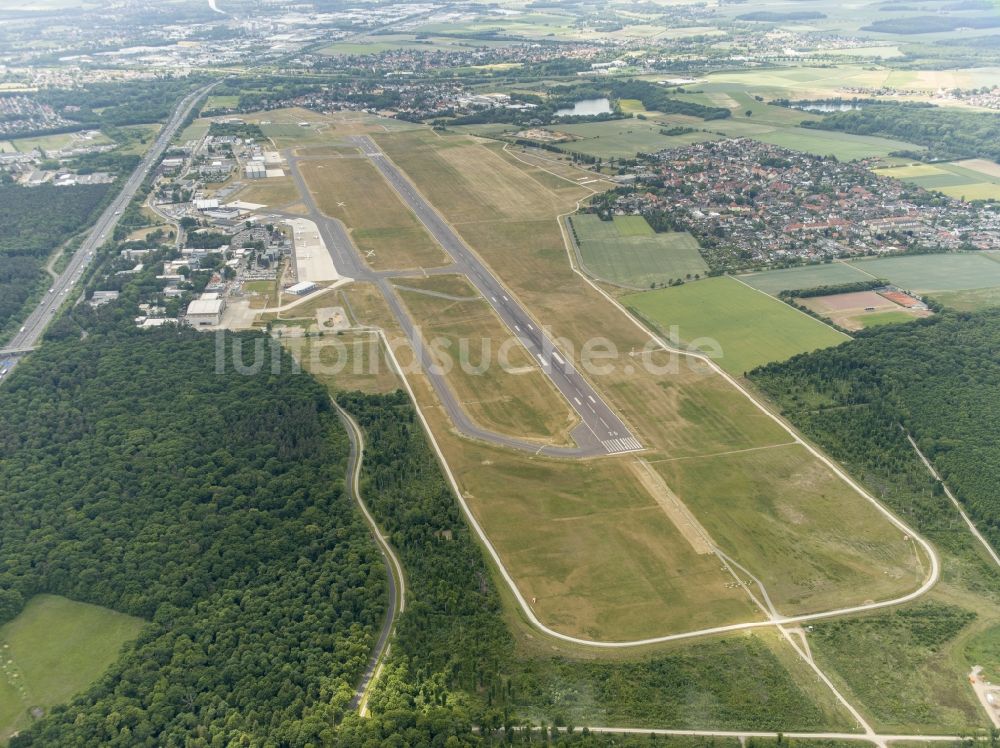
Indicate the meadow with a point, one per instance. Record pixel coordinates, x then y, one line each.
738 326
626 251
54 649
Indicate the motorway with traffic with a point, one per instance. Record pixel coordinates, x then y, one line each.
34 326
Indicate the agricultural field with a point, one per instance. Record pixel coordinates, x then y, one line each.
495 378
844 146
739 327
932 273
936 272
627 252
48 143
806 82
53 650
626 138
971 179
382 227
549 519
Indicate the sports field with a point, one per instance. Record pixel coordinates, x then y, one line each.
387 233
972 179
54 649
861 309
496 380
623 574
628 252
738 326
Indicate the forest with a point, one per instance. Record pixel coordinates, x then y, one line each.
34 221
946 133
936 378
137 476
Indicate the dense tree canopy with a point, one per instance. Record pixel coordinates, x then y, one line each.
137 477
947 133
34 221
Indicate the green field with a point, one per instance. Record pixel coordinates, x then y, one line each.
222 102
940 272
924 273
877 319
626 251
955 179
969 300
740 327
984 650
807 276
897 665
626 138
844 146
54 649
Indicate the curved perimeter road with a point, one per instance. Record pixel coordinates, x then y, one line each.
343 250
394 569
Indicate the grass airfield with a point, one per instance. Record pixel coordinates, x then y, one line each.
551 521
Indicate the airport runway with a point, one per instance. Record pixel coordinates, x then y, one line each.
602 426
34 326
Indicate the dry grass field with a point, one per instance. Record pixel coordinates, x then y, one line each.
495 378
352 190
594 541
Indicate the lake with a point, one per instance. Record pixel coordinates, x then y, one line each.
587 107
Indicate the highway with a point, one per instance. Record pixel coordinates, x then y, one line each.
34 326
603 431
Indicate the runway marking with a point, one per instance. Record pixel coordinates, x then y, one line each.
591 398
577 401
625 444
558 358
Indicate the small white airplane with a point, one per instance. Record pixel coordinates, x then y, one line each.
341 205
370 253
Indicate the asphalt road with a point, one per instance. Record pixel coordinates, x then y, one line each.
34 326
393 568
602 431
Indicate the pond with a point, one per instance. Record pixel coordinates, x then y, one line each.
587 107
825 108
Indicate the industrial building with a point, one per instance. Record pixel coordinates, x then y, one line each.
206 310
